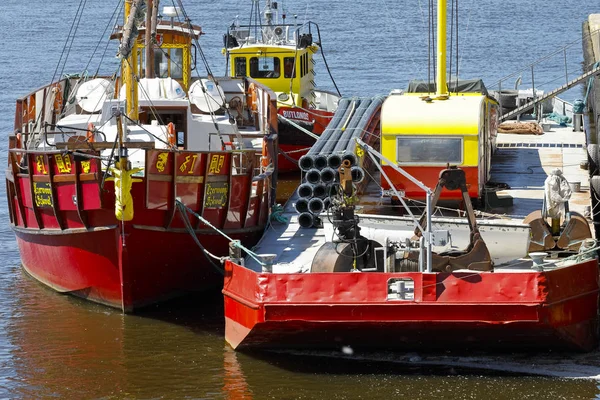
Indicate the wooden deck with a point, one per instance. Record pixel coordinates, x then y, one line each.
525 161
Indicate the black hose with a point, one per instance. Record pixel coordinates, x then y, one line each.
189 228
325 61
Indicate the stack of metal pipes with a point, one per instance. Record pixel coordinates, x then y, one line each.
320 165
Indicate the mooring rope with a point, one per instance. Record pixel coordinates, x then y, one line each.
182 208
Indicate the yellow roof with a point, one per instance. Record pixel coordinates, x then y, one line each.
410 115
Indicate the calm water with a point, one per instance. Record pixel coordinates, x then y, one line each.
56 346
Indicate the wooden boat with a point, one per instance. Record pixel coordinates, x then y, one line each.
367 276
105 174
280 55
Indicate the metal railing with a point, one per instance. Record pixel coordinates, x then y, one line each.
553 73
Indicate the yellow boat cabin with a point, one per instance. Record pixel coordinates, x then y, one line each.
424 135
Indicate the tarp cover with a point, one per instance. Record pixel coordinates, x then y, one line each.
464 86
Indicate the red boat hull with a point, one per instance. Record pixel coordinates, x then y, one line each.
70 239
292 141
151 267
555 309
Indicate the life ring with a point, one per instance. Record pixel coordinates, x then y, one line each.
58 98
31 108
89 136
253 97
18 145
171 134
264 159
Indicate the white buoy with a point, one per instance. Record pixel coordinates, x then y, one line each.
92 94
206 95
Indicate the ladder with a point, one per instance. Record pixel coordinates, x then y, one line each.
521 109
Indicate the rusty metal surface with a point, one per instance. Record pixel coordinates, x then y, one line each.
541 237
576 231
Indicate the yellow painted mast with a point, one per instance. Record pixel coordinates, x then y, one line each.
129 65
441 84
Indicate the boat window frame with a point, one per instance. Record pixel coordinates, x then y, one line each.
255 73
168 54
237 62
289 74
458 138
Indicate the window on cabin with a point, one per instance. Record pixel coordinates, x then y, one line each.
240 66
168 62
288 67
429 150
265 67
176 63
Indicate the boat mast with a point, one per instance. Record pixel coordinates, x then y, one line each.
151 6
128 52
441 84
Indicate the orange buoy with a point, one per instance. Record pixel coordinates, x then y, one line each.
31 109
18 145
90 137
58 98
171 134
264 159
253 95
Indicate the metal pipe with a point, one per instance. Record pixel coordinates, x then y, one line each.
306 162
428 230
313 176
333 124
320 161
334 137
326 203
327 175
441 84
306 220
315 205
305 190
358 174
352 127
319 191
301 205
334 160
350 157
349 145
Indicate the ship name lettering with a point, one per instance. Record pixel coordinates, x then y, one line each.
296 115
42 193
216 163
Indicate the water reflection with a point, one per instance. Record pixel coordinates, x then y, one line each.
282 376
65 347
61 346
